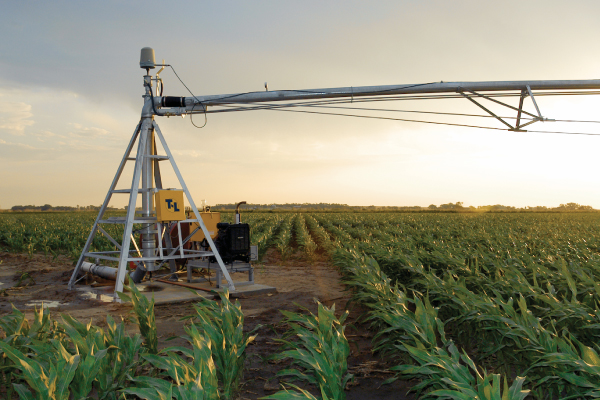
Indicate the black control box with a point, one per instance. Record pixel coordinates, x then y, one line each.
233 242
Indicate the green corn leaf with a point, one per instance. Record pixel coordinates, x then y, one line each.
124 297
515 391
300 394
66 369
33 373
148 393
589 355
450 394
24 393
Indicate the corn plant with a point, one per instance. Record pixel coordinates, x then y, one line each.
60 360
49 380
113 354
323 239
443 371
297 394
447 374
20 335
321 350
51 233
261 234
143 310
195 380
303 239
91 367
223 324
281 240
341 237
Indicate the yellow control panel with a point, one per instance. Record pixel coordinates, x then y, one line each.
210 219
169 205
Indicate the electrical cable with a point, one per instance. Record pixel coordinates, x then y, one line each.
430 122
194 105
454 114
277 107
369 109
409 111
566 133
152 101
575 120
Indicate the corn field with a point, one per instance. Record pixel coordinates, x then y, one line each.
488 306
66 359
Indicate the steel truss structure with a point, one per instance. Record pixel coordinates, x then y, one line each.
147 181
147 175
472 91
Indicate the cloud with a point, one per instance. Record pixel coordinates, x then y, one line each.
15 117
88 132
187 153
49 136
22 146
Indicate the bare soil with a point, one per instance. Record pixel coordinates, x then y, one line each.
25 281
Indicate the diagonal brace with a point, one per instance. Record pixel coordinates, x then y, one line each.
113 241
488 111
534 102
502 103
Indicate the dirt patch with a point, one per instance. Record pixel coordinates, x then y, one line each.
299 281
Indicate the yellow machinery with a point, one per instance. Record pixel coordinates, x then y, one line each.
169 205
210 219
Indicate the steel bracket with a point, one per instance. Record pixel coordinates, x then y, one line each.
518 126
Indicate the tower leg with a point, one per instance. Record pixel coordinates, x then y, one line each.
135 183
194 208
167 236
113 185
148 237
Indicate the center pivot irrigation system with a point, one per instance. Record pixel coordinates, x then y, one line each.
169 235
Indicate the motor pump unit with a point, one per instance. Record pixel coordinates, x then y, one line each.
233 242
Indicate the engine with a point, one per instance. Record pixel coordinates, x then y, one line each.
233 242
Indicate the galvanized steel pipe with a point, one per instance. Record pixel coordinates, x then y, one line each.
102 271
384 90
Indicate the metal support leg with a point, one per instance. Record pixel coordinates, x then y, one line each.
219 278
189 273
113 185
194 208
135 184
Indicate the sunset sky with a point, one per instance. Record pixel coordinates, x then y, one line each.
71 87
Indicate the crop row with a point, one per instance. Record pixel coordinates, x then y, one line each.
62 360
518 293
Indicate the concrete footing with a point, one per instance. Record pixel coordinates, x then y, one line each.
165 293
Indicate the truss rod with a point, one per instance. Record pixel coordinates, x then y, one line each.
521 99
488 111
534 102
504 104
